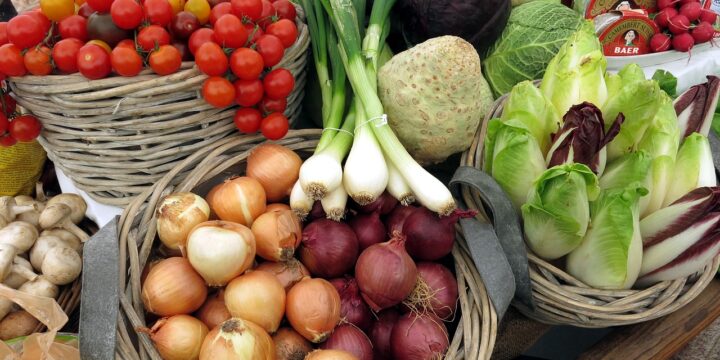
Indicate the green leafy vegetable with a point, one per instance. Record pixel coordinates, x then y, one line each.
667 81
694 168
626 170
527 105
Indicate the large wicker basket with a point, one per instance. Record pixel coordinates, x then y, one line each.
562 299
474 337
116 137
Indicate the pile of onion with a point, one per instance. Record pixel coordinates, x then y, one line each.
276 168
419 337
257 296
277 235
396 219
220 250
380 334
173 287
178 337
435 292
353 309
177 214
313 309
240 200
430 237
214 311
288 272
368 228
237 339
351 339
329 248
289 345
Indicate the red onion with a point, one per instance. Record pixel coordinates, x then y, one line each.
329 248
351 339
317 211
384 204
430 237
353 309
416 337
380 334
385 273
368 228
436 291
396 219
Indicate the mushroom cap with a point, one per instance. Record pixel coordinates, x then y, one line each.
20 234
54 215
75 202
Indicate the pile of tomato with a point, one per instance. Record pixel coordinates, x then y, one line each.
234 42
13 126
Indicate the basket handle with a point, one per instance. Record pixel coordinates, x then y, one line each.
498 249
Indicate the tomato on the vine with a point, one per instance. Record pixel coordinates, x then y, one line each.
126 61
74 26
101 44
127 14
219 10
11 60
271 49
182 47
200 37
101 6
274 126
278 83
64 54
218 91
57 10
43 20
252 9
165 60
248 92
151 35
254 32
267 14
3 33
7 140
37 61
211 59
268 105
158 12
184 24
25 128
285 30
93 61
285 9
247 120
25 31
4 124
7 104
127 43
199 8
246 63
230 32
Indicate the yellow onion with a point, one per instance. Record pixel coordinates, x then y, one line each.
313 308
177 215
277 235
214 311
330 355
258 297
220 250
237 339
240 200
289 345
288 272
276 168
276 207
178 337
173 287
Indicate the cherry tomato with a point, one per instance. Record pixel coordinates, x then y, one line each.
74 26
252 9
25 31
200 37
64 54
278 84
267 14
254 32
230 32
102 27
177 5
151 35
285 10
127 14
101 44
93 61
4 124
274 126
165 60
214 3
219 10
11 60
182 47
126 61
85 10
285 30
199 8
3 33
127 43
158 12
218 91
101 6
248 92
7 141
7 104
37 61
246 63
57 10
247 120
25 128
43 20
271 49
184 24
211 59
268 105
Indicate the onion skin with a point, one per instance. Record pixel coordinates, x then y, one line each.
317 211
237 339
380 334
430 237
385 274
353 309
173 288
289 345
288 273
329 248
436 291
396 219
277 235
330 355
313 309
258 297
179 337
384 204
276 207
351 339
177 215
419 337
368 228
220 250
276 167
214 311
240 200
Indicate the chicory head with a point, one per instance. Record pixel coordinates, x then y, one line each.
527 105
694 168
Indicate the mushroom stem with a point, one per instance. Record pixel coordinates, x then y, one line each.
58 216
9 209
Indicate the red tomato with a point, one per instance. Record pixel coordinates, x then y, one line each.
184 24
271 49
127 14
64 54
101 44
254 32
218 91
43 20
74 26
230 32
85 10
182 47
11 60
4 124
127 43
200 37
165 60
151 35
246 64
285 30
211 59
37 60
247 120
126 61
101 6
219 10
248 92
25 31
268 105
251 9
267 14
158 12
3 33
25 128
285 10
7 104
278 84
93 62
7 141
274 126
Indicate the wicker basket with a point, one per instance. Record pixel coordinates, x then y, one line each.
476 330
562 299
116 137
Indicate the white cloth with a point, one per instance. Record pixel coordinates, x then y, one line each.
101 214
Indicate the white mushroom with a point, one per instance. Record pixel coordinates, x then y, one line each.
58 216
33 216
76 204
61 265
40 287
70 240
45 243
15 238
21 273
9 209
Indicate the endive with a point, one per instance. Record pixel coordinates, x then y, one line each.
694 168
